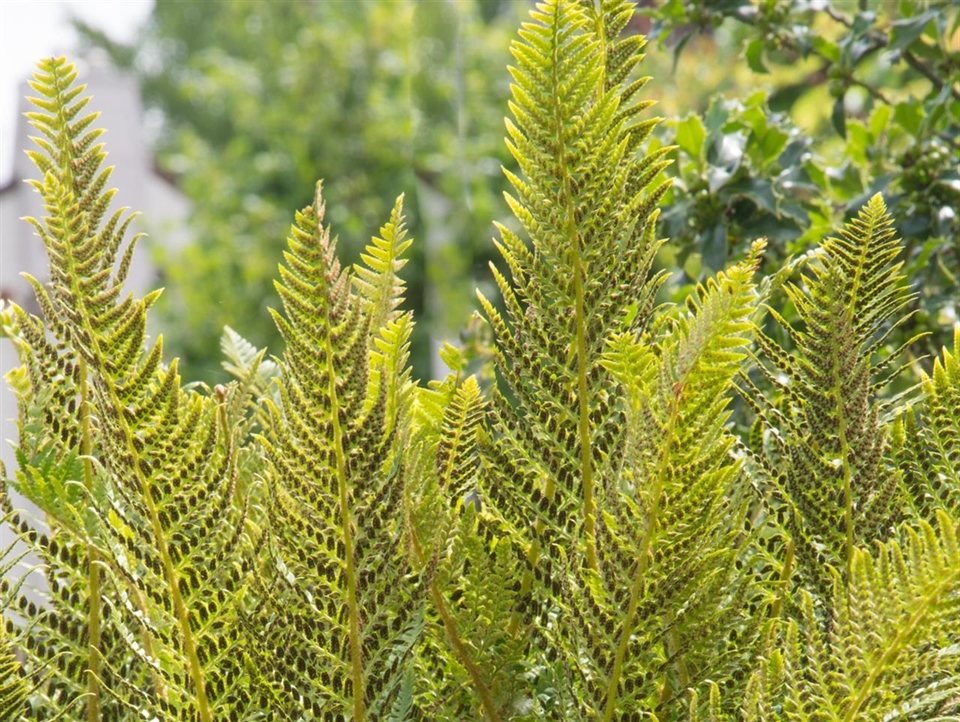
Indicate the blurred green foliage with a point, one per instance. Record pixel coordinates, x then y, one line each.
260 99
787 114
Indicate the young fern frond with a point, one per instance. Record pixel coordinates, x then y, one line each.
889 648
339 617
826 438
666 592
471 649
926 446
158 472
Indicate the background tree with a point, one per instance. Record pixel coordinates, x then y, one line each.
835 102
260 99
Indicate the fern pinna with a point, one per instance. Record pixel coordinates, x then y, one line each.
134 606
338 613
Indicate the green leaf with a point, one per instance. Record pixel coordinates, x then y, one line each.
828 49
713 247
690 136
909 116
906 30
879 119
754 56
858 140
839 117
759 190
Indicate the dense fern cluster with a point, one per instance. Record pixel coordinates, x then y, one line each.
579 534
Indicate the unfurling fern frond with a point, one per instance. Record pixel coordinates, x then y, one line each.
136 475
826 439
926 446
340 612
888 649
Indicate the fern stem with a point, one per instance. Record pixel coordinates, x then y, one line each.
570 231
93 558
653 526
847 473
356 651
892 650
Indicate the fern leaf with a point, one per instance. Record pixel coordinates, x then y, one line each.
339 602
582 200
886 649
667 577
471 575
830 431
157 473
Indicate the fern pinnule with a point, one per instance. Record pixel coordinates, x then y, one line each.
341 606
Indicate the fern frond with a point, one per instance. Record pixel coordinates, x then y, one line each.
926 446
885 649
339 619
474 648
577 479
582 201
829 431
667 578
155 465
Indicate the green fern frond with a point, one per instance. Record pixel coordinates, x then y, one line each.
470 573
13 688
927 447
670 532
157 471
377 281
828 427
887 647
573 477
582 201
340 605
